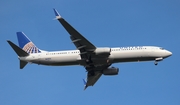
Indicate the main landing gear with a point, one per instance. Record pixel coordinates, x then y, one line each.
90 67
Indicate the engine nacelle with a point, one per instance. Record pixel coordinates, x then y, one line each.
103 51
111 71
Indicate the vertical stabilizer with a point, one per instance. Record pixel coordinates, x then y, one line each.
26 44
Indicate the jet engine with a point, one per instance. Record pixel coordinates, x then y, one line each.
103 51
111 71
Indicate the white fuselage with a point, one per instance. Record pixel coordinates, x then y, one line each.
119 54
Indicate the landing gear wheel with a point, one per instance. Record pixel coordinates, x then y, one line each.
87 60
155 63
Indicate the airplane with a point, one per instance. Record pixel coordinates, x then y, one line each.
96 60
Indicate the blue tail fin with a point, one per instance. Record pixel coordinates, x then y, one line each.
26 44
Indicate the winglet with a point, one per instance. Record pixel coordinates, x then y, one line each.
85 86
58 16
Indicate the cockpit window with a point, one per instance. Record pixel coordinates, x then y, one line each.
162 48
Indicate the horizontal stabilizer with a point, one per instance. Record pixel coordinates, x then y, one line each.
19 51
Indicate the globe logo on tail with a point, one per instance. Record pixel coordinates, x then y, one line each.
31 48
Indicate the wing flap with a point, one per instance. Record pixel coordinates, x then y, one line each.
91 80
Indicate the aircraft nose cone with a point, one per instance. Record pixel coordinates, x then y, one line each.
168 53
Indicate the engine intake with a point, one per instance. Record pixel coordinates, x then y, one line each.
111 71
103 51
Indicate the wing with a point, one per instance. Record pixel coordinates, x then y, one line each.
94 74
86 49
79 41
92 79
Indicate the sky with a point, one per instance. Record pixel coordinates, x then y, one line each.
108 23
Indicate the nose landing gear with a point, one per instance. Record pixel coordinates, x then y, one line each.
157 60
156 63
